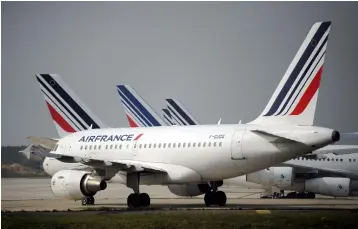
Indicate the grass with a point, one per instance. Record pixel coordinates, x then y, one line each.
214 219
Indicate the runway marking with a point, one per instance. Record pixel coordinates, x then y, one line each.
263 211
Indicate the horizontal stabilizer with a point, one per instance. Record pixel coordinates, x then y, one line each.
273 137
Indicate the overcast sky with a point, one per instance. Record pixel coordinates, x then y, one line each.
221 60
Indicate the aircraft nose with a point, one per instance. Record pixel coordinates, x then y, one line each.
336 136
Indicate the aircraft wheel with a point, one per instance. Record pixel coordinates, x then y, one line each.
310 195
208 198
133 200
220 198
144 199
88 200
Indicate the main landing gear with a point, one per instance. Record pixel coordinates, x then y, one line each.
88 200
215 197
136 199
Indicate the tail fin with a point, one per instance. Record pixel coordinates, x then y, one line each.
180 113
139 113
68 112
168 117
295 98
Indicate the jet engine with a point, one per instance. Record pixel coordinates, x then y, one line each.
281 177
74 184
329 186
189 189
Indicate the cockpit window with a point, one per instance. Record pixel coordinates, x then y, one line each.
56 146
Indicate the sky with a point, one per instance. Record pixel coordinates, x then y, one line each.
219 59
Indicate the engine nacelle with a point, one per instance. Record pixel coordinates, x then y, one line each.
329 186
189 189
74 184
281 177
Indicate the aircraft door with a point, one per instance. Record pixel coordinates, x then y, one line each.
236 145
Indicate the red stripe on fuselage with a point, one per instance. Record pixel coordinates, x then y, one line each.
59 120
131 122
138 137
309 93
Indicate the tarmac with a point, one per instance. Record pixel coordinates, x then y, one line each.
34 194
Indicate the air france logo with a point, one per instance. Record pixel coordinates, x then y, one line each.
109 138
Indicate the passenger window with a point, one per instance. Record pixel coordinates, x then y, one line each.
81 147
150 145
169 145
127 146
214 144
209 144
220 144
95 146
140 146
199 144
115 146
189 145
159 145
106 146
350 160
183 145
354 160
120 146
337 159
341 159
111 146
164 145
327 159
178 145
145 145
154 145
194 144
99 147
204 144
90 147
85 147
173 145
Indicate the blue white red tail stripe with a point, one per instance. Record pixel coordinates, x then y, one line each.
133 113
181 112
295 98
53 108
137 109
167 117
72 104
311 46
50 94
67 110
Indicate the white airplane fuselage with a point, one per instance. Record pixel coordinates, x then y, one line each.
229 151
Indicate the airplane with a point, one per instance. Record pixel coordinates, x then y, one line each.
333 172
272 138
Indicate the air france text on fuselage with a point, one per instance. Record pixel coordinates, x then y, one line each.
107 138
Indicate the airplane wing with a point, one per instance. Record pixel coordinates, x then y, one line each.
337 149
34 151
49 143
173 172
